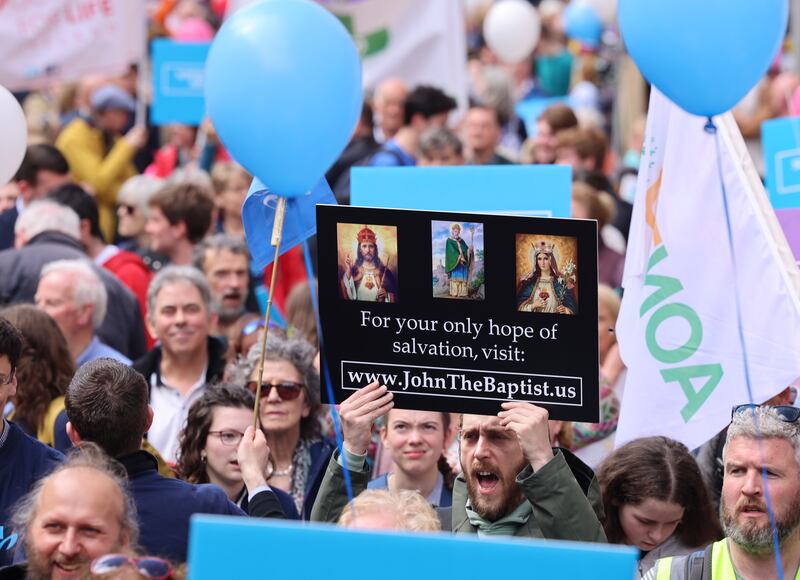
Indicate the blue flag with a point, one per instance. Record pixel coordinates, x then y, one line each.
258 216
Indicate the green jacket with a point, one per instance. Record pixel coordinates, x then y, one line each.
564 494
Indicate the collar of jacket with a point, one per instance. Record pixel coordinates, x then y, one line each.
53 237
217 347
138 462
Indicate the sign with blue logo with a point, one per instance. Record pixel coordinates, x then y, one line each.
781 141
178 82
339 554
529 190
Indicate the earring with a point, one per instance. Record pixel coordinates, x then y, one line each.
203 458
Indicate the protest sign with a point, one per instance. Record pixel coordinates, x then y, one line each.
243 540
56 41
460 312
532 190
178 82
781 141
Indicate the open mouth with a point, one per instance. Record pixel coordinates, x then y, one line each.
752 509
63 569
487 481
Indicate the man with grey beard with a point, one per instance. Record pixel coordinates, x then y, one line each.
762 453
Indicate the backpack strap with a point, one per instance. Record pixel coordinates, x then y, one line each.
698 564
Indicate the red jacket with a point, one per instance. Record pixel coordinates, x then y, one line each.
132 271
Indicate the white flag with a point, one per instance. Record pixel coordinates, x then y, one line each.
678 327
418 41
49 41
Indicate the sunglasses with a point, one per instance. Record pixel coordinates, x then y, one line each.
155 568
252 326
786 413
127 208
287 390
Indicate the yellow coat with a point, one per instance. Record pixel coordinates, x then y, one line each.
83 147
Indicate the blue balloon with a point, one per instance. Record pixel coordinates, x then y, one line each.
581 22
704 55
283 89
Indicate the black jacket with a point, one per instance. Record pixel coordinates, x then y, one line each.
151 362
122 328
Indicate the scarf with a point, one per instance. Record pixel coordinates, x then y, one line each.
505 526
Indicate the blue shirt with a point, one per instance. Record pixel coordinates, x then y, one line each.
97 349
392 155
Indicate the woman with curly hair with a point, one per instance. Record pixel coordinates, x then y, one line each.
208 444
43 374
289 416
655 499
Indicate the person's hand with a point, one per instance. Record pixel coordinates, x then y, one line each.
359 411
137 136
563 309
381 297
253 456
348 265
529 422
538 303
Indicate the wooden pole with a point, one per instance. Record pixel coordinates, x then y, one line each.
277 235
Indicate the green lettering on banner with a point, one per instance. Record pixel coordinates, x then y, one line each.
666 286
368 44
681 353
684 376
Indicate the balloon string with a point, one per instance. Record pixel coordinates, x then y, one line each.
711 128
326 373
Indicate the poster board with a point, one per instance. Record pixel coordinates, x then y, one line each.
463 329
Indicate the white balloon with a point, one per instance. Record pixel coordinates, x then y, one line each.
15 135
511 29
606 10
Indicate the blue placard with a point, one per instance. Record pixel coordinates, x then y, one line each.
178 82
781 141
532 190
221 547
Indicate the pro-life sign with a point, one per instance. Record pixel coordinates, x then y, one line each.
459 311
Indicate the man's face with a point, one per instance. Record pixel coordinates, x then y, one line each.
442 157
481 130
55 295
163 235
743 507
227 273
390 106
367 251
491 459
77 519
180 319
6 390
114 120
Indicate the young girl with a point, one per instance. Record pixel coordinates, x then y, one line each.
655 499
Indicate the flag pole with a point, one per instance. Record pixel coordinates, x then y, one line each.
277 235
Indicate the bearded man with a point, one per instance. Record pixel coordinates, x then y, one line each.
369 279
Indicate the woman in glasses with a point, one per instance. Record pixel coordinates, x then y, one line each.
132 210
655 499
208 444
289 416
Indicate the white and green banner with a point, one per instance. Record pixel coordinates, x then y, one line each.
419 41
679 327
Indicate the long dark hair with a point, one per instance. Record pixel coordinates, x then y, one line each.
193 438
45 367
663 469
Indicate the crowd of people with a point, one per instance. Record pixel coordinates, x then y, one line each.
130 342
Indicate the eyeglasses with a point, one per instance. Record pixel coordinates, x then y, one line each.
252 326
786 413
287 390
229 438
155 568
6 379
127 208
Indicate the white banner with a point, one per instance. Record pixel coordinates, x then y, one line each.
47 41
418 41
678 328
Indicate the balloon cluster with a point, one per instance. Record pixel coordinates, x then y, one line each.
283 90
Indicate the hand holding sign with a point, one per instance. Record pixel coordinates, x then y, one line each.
359 411
529 422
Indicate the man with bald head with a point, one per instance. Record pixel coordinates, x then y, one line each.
79 512
388 105
513 483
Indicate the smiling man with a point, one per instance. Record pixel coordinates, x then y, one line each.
187 357
513 482
78 513
761 439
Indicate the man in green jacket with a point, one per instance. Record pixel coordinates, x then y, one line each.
513 483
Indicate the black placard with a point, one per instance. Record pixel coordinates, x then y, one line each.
463 332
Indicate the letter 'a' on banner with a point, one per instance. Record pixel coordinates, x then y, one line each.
678 330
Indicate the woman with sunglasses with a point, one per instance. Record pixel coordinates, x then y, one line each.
208 444
655 499
289 416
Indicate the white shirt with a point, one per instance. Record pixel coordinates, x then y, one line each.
170 410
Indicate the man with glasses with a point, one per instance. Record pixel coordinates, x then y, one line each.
23 460
762 482
107 404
